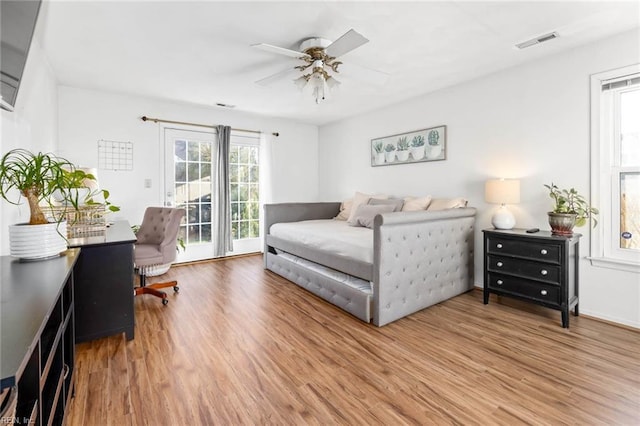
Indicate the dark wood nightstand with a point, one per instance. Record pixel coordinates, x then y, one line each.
540 268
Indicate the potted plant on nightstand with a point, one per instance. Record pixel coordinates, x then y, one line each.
570 209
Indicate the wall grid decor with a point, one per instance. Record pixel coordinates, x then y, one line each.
411 147
114 155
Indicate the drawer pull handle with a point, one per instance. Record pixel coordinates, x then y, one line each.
543 292
543 251
544 272
499 245
499 282
499 264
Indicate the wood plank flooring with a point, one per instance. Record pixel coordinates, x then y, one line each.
240 345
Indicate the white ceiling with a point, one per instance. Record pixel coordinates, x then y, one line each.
199 52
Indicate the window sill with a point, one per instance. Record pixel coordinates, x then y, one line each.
610 263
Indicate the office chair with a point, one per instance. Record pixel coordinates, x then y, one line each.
156 246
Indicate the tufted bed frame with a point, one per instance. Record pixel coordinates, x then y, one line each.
419 259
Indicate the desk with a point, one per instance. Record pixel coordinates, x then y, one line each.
104 283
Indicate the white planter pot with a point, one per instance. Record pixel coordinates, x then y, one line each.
390 156
434 151
37 241
417 152
402 155
379 158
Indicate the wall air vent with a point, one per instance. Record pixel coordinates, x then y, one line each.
537 40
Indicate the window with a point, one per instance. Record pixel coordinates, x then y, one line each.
616 167
244 177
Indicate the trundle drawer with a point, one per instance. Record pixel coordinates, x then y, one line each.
515 286
525 268
535 250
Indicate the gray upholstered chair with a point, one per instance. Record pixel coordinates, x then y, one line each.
156 247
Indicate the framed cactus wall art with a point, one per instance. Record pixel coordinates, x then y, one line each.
411 147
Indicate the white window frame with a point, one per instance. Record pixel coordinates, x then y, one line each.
605 178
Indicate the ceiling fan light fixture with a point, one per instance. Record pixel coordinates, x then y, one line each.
332 83
300 82
319 58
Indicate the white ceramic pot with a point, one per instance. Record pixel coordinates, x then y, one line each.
390 156
379 158
402 155
417 152
434 151
34 242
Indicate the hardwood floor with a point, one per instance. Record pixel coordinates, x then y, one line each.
240 345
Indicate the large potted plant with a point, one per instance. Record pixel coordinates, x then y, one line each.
36 177
569 209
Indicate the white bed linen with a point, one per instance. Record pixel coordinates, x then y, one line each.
334 236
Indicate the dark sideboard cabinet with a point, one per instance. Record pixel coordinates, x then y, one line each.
540 268
104 283
37 359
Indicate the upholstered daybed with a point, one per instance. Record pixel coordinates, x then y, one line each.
412 260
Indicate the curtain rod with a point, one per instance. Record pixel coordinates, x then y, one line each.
160 120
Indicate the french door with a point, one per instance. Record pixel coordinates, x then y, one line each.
189 176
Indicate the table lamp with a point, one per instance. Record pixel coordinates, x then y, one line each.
502 191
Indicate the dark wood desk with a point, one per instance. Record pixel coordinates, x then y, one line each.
37 351
104 283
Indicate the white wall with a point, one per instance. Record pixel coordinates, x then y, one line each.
529 122
86 116
33 124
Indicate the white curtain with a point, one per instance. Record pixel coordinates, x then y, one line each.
221 204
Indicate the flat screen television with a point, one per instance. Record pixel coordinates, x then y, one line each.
17 24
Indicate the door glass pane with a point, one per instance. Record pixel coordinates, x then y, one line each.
194 151
245 191
630 210
180 150
630 128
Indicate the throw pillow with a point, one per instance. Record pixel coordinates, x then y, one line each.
345 210
365 213
413 204
447 203
361 198
395 202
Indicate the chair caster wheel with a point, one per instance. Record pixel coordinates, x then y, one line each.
176 288
165 301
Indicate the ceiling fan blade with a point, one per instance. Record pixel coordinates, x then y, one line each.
279 50
345 44
358 72
280 75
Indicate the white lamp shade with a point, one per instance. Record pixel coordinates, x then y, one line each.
502 191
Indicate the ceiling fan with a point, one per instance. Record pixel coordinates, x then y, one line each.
320 59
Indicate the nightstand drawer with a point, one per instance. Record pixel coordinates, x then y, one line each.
524 268
524 248
521 287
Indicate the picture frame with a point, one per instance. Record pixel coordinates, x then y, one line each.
417 146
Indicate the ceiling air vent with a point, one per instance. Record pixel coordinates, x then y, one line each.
537 40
